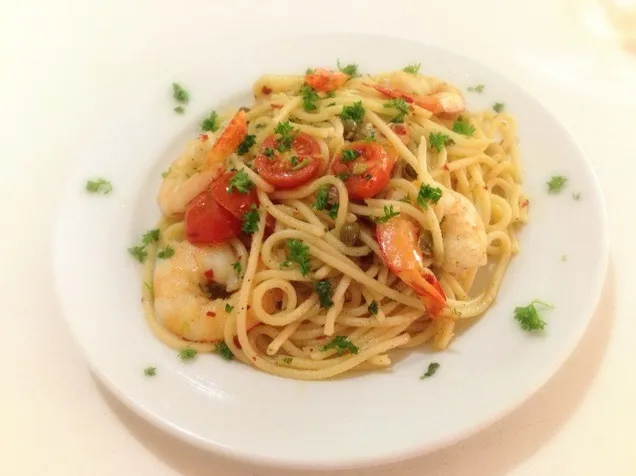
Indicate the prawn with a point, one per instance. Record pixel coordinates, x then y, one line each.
325 80
398 238
207 159
190 289
448 102
463 233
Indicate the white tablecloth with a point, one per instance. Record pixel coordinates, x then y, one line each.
68 65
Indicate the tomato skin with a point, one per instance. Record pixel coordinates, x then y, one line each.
207 222
235 202
277 171
379 166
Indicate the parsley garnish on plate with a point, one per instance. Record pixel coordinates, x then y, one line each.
432 368
324 291
463 127
322 198
341 343
576 196
333 213
297 252
529 318
412 68
224 351
355 112
438 141
287 135
151 236
241 183
556 183
428 194
349 155
477 89
179 109
210 122
187 353
180 94
402 107
166 253
150 371
250 220
388 214
350 69
139 253
99 186
309 98
246 145
373 308
498 107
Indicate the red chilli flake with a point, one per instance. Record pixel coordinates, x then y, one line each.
203 137
266 90
321 337
276 106
211 313
525 203
209 274
254 359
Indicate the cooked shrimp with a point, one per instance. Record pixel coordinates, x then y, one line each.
325 80
398 240
463 233
200 164
442 102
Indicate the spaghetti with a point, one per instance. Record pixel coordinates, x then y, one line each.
336 220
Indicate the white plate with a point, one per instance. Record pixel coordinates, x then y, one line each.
367 418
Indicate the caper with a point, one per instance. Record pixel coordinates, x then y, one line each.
426 244
349 129
349 233
332 196
409 172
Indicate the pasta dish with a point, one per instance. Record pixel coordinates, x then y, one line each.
337 219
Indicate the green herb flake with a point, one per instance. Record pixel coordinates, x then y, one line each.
388 214
246 145
428 194
139 253
151 236
297 252
355 112
350 69
556 183
529 318
476 89
224 351
432 368
438 141
498 107
288 360
564 258
309 98
412 68
349 155
150 371
250 220
324 291
179 109
166 253
287 135
463 127
333 212
341 343
373 308
241 183
237 267
179 94
228 308
576 196
187 354
402 107
322 198
99 186
210 122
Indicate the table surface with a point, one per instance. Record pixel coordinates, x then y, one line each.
67 66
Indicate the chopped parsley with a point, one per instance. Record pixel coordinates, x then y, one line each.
322 198
428 194
309 98
139 253
179 109
498 107
463 127
309 71
166 253
355 112
350 69
437 140
556 183
237 267
349 155
269 153
294 161
250 220
166 173
224 351
529 318
287 135
432 368
150 287
370 137
373 308
333 213
324 291
476 89
241 183
297 252
100 185
388 214
187 353
179 94
343 175
150 371
412 68
210 122
151 236
576 196
228 308
402 107
341 343
246 145
288 360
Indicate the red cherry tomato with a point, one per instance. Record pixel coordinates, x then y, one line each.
234 202
280 170
207 222
368 173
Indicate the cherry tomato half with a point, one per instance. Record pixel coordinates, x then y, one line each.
235 202
207 222
368 173
281 169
